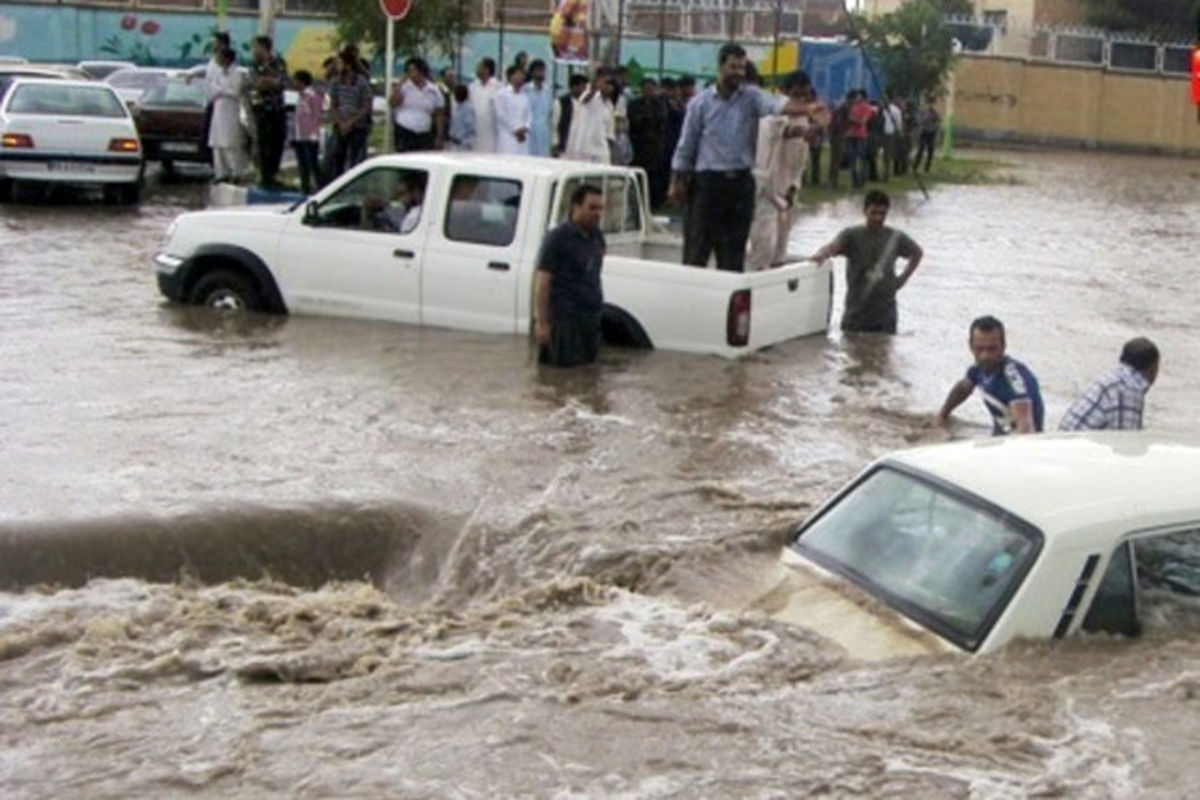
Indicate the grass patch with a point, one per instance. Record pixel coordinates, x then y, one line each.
954 171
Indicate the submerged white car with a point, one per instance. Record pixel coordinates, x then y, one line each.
970 545
70 132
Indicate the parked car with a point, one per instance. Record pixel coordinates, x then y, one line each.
99 70
170 119
69 132
969 545
470 261
131 84
10 72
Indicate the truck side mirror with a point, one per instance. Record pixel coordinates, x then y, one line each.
311 215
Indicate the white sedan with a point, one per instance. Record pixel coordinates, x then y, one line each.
970 545
70 132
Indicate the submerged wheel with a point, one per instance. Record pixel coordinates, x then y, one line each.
226 291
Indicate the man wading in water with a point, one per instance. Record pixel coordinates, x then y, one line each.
568 297
871 251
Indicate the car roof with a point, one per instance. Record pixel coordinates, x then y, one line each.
26 81
1067 484
536 165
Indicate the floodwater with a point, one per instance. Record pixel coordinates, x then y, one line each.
308 557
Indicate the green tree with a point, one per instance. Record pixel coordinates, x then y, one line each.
911 48
1159 17
432 28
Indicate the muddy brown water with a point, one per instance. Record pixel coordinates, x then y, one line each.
313 557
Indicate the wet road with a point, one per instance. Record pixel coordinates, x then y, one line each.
551 551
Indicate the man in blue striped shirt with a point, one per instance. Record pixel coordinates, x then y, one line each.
1115 400
712 163
1009 389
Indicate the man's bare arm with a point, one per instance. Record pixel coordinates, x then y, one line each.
959 393
1022 413
541 302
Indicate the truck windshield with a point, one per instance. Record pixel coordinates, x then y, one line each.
943 558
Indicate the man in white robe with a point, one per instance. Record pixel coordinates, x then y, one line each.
513 115
781 160
591 124
225 134
482 90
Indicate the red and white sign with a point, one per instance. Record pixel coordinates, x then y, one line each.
396 9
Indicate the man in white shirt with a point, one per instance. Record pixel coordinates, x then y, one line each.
513 117
481 91
591 124
418 113
893 133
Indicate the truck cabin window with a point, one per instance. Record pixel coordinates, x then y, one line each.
483 210
622 204
385 200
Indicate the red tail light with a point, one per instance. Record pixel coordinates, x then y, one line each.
123 146
737 323
17 140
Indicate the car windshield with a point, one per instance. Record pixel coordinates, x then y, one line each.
80 101
176 93
943 558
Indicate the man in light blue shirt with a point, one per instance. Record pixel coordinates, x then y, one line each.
541 104
712 163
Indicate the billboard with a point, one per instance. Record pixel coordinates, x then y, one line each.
569 32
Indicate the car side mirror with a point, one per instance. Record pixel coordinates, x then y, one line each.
311 215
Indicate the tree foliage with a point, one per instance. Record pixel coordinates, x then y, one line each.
911 48
432 29
1161 17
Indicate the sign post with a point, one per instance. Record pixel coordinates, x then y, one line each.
394 10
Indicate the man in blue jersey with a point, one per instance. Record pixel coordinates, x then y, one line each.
1010 391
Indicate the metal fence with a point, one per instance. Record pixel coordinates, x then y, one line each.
1165 52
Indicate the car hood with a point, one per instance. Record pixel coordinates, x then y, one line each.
806 595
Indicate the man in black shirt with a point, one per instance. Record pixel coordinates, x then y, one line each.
568 297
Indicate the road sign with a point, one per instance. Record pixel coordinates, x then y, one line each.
396 9
1196 75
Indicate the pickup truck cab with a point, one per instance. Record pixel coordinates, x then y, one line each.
452 240
964 547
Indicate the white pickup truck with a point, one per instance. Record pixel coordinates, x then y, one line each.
468 254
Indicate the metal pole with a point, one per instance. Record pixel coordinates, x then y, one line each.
266 17
662 37
388 68
732 22
500 54
620 32
775 46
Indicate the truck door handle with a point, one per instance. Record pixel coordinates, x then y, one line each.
403 253
498 265
793 284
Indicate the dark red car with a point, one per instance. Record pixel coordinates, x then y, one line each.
170 120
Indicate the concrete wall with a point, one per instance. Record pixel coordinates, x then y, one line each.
1009 99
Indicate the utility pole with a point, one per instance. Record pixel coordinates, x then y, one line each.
266 17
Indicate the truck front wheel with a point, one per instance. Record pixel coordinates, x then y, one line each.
226 291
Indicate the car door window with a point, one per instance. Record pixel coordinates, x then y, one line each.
483 210
1114 607
386 200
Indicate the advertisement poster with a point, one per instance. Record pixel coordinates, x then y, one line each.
568 32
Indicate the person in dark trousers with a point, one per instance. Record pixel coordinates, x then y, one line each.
568 297
306 131
928 121
648 133
565 110
837 138
871 251
350 101
1010 390
711 169
268 76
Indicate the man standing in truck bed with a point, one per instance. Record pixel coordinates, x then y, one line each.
568 296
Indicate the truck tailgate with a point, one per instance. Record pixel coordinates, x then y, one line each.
788 302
